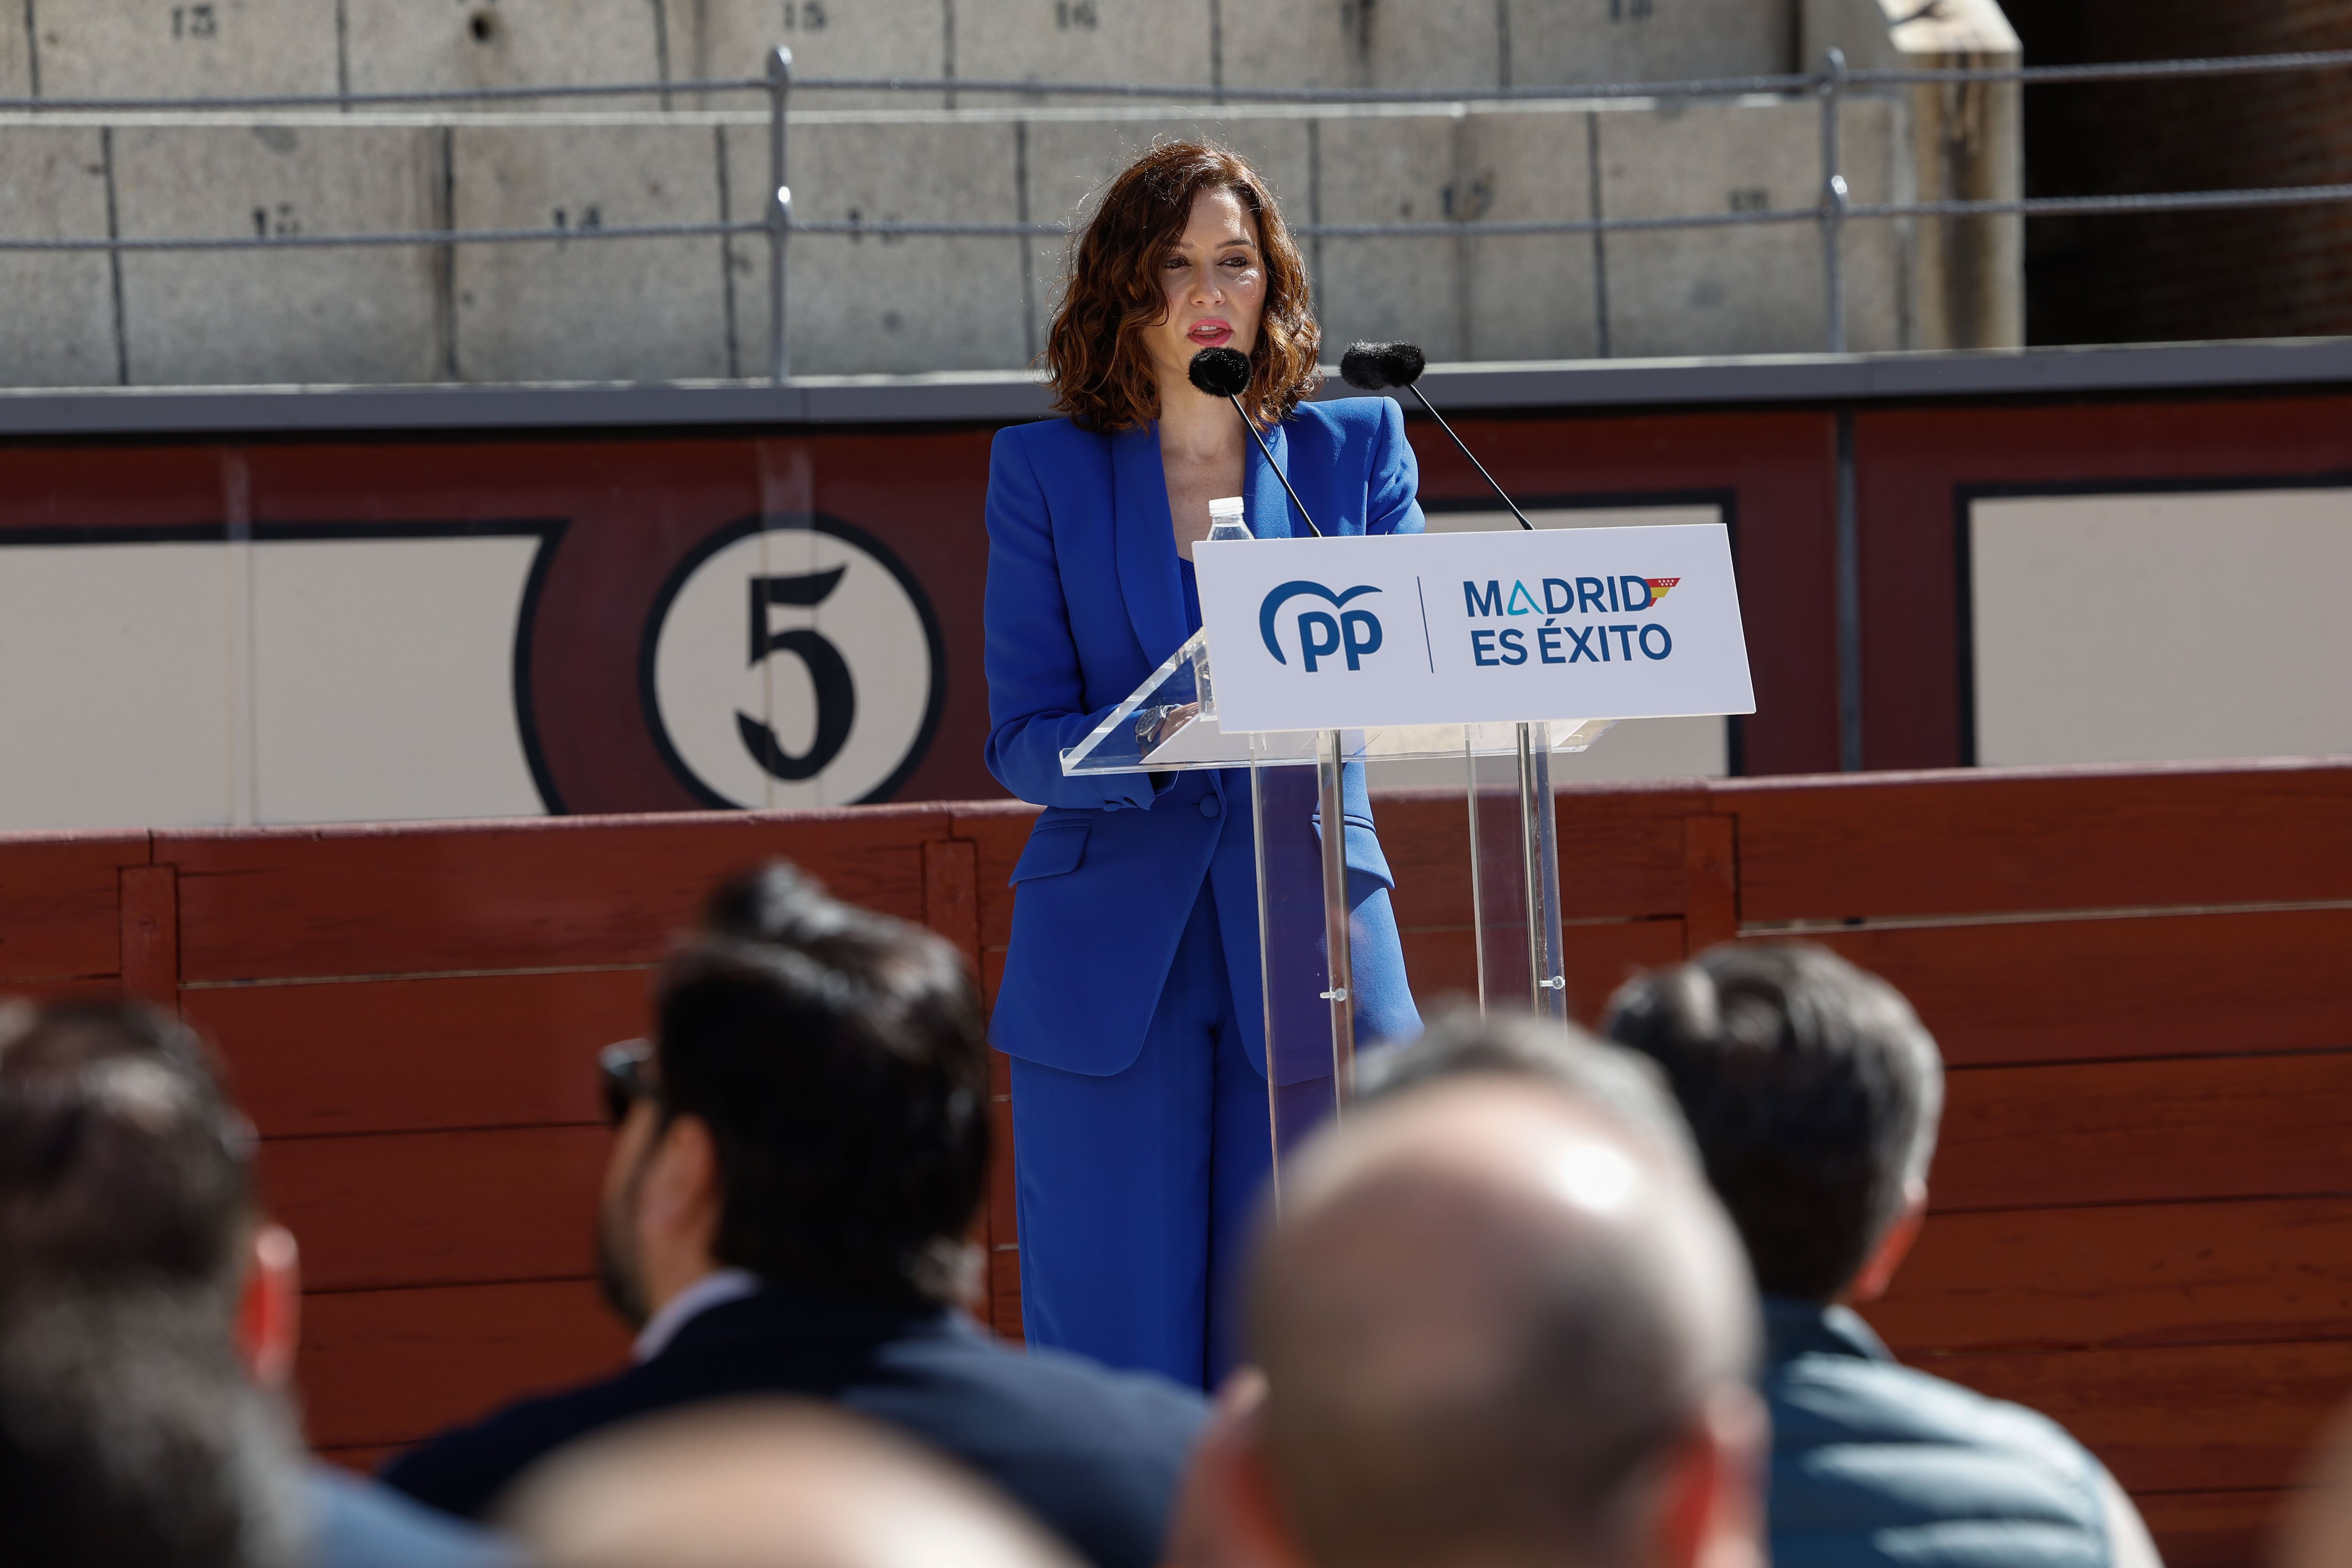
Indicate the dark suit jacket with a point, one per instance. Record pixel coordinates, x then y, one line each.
1094 1454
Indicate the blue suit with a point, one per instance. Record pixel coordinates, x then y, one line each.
1131 1001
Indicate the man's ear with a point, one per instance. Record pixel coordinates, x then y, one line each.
681 1191
1710 1502
1878 1271
268 1325
1229 1512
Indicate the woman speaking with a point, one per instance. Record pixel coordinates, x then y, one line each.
1131 1003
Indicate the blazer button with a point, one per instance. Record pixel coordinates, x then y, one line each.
1209 806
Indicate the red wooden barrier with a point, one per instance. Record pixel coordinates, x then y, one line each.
2142 1202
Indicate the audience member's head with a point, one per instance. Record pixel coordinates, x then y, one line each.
125 1168
768 1484
133 1271
1459 1040
1814 1093
1503 1325
121 1159
814 1109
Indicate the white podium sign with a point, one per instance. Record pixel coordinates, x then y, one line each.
1349 632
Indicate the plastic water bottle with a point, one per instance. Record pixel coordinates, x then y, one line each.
1225 520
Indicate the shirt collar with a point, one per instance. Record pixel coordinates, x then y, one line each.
715 1288
1794 1328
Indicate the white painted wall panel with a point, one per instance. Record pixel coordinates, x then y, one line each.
2159 628
383 679
200 684
115 686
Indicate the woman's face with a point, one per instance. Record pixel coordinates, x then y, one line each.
1213 281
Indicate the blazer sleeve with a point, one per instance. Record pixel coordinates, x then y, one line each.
1393 497
1036 686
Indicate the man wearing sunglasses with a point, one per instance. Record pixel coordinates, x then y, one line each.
797 1159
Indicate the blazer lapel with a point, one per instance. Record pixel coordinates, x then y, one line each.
1271 515
1146 539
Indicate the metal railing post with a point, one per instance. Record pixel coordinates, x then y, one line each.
1834 199
780 215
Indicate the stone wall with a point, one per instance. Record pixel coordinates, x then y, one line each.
632 309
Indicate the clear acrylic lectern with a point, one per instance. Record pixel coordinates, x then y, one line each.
1305 937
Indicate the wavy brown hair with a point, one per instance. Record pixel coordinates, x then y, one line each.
1094 354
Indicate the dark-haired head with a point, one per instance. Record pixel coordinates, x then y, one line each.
130 1433
1814 1092
839 1060
121 1161
1099 352
130 1430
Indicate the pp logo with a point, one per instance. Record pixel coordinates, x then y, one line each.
792 661
1354 633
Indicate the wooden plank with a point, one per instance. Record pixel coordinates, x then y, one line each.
382 1368
2142 1131
996 833
150 935
1441 963
404 900
1600 958
60 896
2078 990
1997 839
1005 1296
1004 1283
1621 845
399 1056
2185 1273
2176 1418
56 993
1622 851
951 896
2211 1528
988 840
422 1208
1711 870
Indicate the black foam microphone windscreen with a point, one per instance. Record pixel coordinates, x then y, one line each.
1221 373
1376 367
1373 367
1226 373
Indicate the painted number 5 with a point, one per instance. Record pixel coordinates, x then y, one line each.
837 695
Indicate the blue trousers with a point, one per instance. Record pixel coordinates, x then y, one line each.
1137 1192
1134 1226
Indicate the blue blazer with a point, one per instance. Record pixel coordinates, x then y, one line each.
1082 604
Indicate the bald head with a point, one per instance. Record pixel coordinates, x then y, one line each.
768 1484
1489 1316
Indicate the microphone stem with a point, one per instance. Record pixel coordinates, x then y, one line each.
1474 463
1251 425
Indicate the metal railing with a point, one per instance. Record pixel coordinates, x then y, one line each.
1829 86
